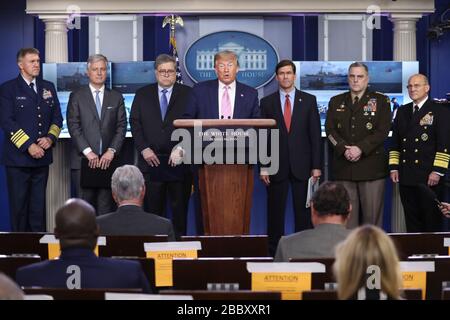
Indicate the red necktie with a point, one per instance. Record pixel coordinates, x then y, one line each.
287 113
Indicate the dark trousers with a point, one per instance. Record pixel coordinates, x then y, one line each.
277 193
178 193
100 198
26 191
421 211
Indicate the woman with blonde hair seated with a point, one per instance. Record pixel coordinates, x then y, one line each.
367 266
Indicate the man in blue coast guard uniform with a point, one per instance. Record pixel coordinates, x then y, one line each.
31 120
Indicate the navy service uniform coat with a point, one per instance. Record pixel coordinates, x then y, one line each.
25 117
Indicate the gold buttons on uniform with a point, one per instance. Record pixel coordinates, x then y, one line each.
416 161
404 139
416 140
404 161
40 124
40 132
416 150
404 150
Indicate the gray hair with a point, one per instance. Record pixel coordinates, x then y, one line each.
127 182
24 51
96 57
422 76
164 58
358 65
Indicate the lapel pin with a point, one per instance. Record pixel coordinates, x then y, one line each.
242 95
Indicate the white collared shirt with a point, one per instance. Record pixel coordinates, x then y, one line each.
94 93
231 95
28 83
168 93
421 103
283 99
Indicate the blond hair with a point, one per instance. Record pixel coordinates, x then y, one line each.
226 54
367 246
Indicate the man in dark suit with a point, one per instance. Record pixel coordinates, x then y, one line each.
330 208
299 144
419 156
78 267
128 190
222 98
31 120
357 124
154 108
97 123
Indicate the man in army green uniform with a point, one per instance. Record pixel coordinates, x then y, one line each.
357 124
419 156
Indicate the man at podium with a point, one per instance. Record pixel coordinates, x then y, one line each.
222 98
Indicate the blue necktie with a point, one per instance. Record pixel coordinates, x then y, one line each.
98 105
163 103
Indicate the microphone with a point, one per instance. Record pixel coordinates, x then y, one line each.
429 193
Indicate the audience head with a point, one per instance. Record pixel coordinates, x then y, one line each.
127 185
29 63
358 77
165 70
9 290
97 68
330 204
226 64
367 246
75 225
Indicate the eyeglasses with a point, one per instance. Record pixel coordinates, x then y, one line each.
415 86
166 72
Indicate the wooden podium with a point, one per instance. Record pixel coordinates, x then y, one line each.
226 189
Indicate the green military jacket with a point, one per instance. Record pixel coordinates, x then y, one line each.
365 125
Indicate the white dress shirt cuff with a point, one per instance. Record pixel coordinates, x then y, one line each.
87 150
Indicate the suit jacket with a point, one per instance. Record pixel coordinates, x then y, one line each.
95 272
132 220
300 148
26 116
420 142
365 125
204 101
150 130
86 128
312 243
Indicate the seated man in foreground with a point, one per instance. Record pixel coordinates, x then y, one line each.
78 267
128 191
330 209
